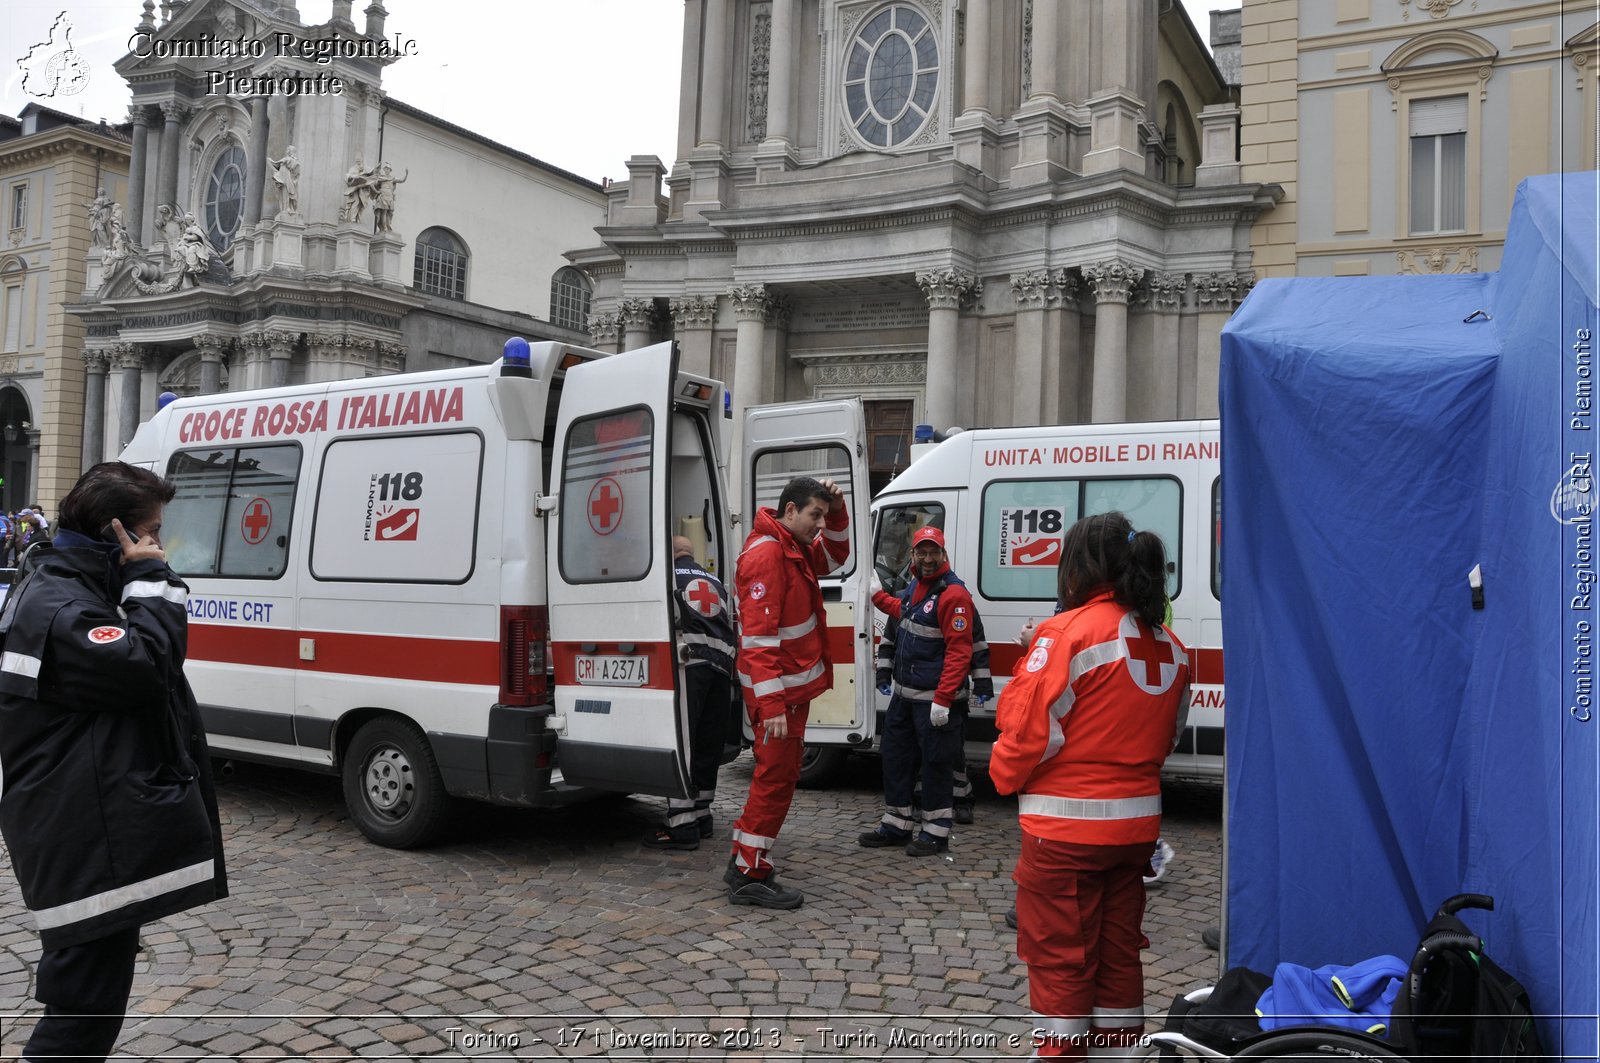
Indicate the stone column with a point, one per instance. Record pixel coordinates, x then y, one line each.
780 78
172 115
945 290
280 350
975 68
130 361
210 348
1042 119
255 178
1112 281
750 305
1031 291
692 318
140 117
1166 303
1063 350
1218 295
94 406
638 322
605 330
714 75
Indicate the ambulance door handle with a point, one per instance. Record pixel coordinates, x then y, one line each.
308 649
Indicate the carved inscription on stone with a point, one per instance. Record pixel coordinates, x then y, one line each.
863 315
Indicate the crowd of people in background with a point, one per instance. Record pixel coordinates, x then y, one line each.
20 529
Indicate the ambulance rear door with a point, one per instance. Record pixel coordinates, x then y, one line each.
826 440
611 580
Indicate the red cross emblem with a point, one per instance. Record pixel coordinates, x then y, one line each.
256 520
1152 656
102 635
605 506
703 597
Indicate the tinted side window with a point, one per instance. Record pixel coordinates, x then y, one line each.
896 526
231 516
606 483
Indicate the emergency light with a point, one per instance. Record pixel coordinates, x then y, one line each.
923 434
166 398
516 361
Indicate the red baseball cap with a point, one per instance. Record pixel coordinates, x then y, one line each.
928 535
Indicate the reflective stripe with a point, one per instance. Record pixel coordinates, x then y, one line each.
899 818
761 642
1183 717
1058 726
841 536
752 544
913 695
1341 992
690 638
122 896
152 588
773 686
1093 657
1089 807
684 818
927 631
1085 661
754 841
797 630
21 664
1060 1027
764 689
1112 1018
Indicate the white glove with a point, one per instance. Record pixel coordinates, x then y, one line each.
939 715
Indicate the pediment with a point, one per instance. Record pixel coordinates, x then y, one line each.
1586 39
221 22
1440 48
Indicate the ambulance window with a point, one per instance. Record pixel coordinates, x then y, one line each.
398 509
775 468
232 512
1152 504
608 465
1216 538
896 526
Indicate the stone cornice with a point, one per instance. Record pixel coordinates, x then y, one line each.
54 143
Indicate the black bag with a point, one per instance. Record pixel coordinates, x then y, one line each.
1227 1018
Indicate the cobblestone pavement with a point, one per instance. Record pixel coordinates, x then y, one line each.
553 934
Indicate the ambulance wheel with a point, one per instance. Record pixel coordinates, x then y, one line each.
392 785
820 766
1316 1044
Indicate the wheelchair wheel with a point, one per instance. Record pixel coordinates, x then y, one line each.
1316 1044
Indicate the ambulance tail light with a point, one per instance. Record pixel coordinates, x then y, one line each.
523 629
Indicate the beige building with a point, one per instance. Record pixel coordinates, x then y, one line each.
1399 129
968 212
51 167
277 231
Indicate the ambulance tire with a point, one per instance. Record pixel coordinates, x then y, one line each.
1316 1044
392 785
820 766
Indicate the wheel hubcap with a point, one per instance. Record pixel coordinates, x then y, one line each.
388 779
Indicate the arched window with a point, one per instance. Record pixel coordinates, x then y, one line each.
441 264
569 299
891 76
224 205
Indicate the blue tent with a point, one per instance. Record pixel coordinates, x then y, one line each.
1390 745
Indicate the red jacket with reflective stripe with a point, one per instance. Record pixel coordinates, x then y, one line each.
783 625
1085 723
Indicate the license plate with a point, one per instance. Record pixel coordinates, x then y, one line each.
613 671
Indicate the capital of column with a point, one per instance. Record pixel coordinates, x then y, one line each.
693 311
751 302
139 114
637 313
392 356
172 111
1222 292
1166 291
127 355
1033 290
1112 280
604 328
949 289
211 347
96 361
1069 285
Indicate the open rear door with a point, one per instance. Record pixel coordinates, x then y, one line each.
823 439
610 578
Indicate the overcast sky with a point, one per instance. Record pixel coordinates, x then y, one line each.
580 85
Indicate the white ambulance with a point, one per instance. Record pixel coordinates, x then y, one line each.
458 583
1004 498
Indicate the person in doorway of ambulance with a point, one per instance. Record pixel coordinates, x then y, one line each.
934 623
1085 723
783 664
108 808
706 647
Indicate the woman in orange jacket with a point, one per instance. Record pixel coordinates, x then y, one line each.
1086 721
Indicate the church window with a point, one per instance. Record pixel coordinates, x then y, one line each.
440 267
569 299
891 76
225 197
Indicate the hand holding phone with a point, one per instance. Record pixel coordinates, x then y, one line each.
148 546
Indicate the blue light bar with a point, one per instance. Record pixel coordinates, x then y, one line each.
516 360
923 434
166 398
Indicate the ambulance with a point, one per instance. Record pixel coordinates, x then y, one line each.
1004 498
458 584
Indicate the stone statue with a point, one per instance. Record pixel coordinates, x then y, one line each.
384 181
121 247
169 223
194 249
286 175
358 192
100 220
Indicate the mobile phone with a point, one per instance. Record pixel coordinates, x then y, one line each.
109 534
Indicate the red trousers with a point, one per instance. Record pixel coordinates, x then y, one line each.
771 791
1079 910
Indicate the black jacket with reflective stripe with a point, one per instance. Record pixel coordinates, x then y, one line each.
978 673
704 625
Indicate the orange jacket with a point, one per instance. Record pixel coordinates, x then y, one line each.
783 626
1085 723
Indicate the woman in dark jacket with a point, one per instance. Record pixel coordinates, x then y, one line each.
108 808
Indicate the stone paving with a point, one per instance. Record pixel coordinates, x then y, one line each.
553 934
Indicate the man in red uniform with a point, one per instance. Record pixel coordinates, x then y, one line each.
1086 722
783 663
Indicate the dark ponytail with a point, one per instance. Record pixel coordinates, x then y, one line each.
1104 552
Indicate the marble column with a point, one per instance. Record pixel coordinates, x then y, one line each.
1218 295
255 178
129 360
210 348
94 406
605 332
1112 282
945 290
975 69
1166 304
750 305
172 115
140 118
1063 350
1042 120
1031 292
780 76
714 75
638 322
692 318
280 351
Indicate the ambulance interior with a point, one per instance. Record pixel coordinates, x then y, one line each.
774 470
695 503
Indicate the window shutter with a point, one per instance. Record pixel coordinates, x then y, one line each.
1431 118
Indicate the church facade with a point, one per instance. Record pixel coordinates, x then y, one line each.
270 236
968 212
